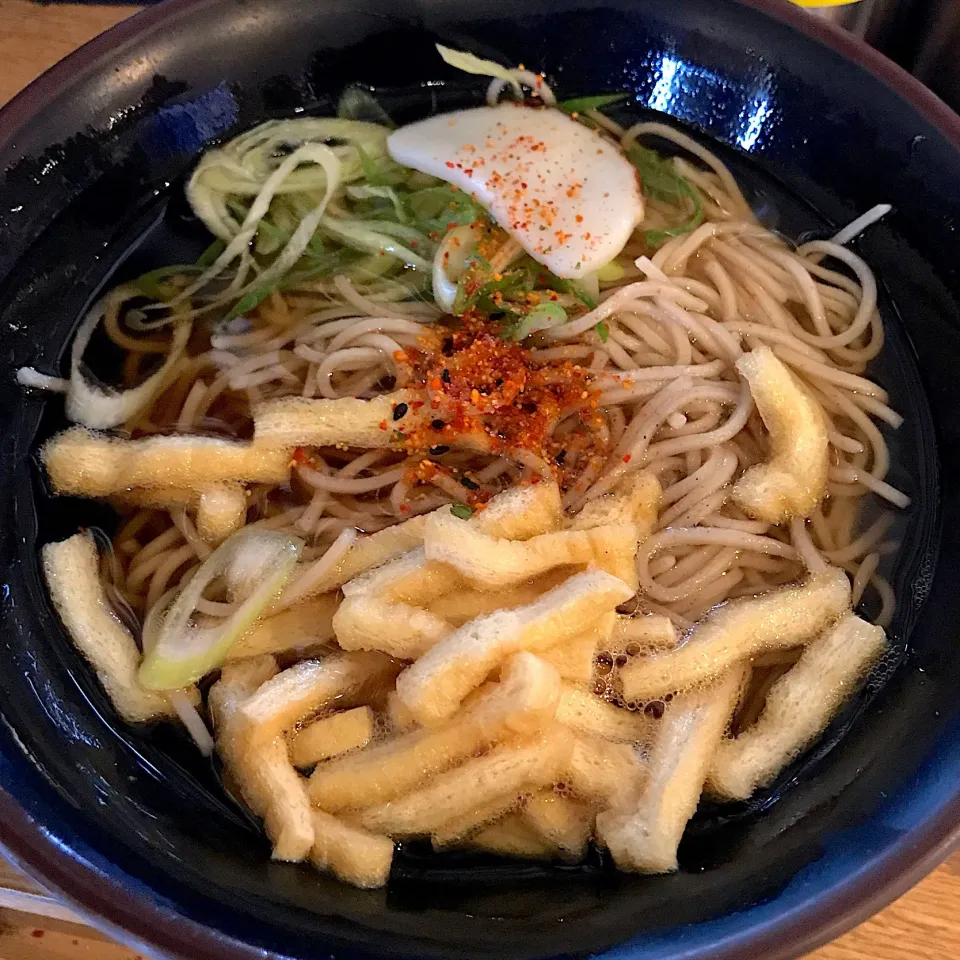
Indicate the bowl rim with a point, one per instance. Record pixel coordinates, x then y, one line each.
147 923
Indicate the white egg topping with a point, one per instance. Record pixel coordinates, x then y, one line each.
570 198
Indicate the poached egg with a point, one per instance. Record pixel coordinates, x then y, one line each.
570 198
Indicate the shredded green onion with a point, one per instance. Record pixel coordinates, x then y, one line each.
610 272
579 104
211 253
359 104
152 284
539 318
661 180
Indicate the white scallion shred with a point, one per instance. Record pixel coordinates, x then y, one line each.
856 227
469 63
238 248
29 377
307 162
191 719
100 407
449 262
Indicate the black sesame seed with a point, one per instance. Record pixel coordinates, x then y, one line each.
445 376
447 347
437 424
400 411
560 457
439 450
469 484
498 382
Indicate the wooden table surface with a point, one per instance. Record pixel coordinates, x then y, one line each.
923 925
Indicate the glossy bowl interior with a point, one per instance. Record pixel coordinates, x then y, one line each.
129 824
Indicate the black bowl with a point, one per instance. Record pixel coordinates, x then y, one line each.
128 825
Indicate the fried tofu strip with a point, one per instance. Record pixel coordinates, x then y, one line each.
352 854
574 659
738 630
410 579
458 830
286 815
220 509
516 514
522 703
371 551
489 563
587 713
348 422
71 568
261 769
237 682
511 767
652 631
399 717
520 513
512 837
635 499
465 603
365 622
632 508
82 463
303 689
645 838
798 707
435 685
793 481
305 625
331 736
604 773
561 823
615 551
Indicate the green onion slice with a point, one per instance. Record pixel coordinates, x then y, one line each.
179 646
